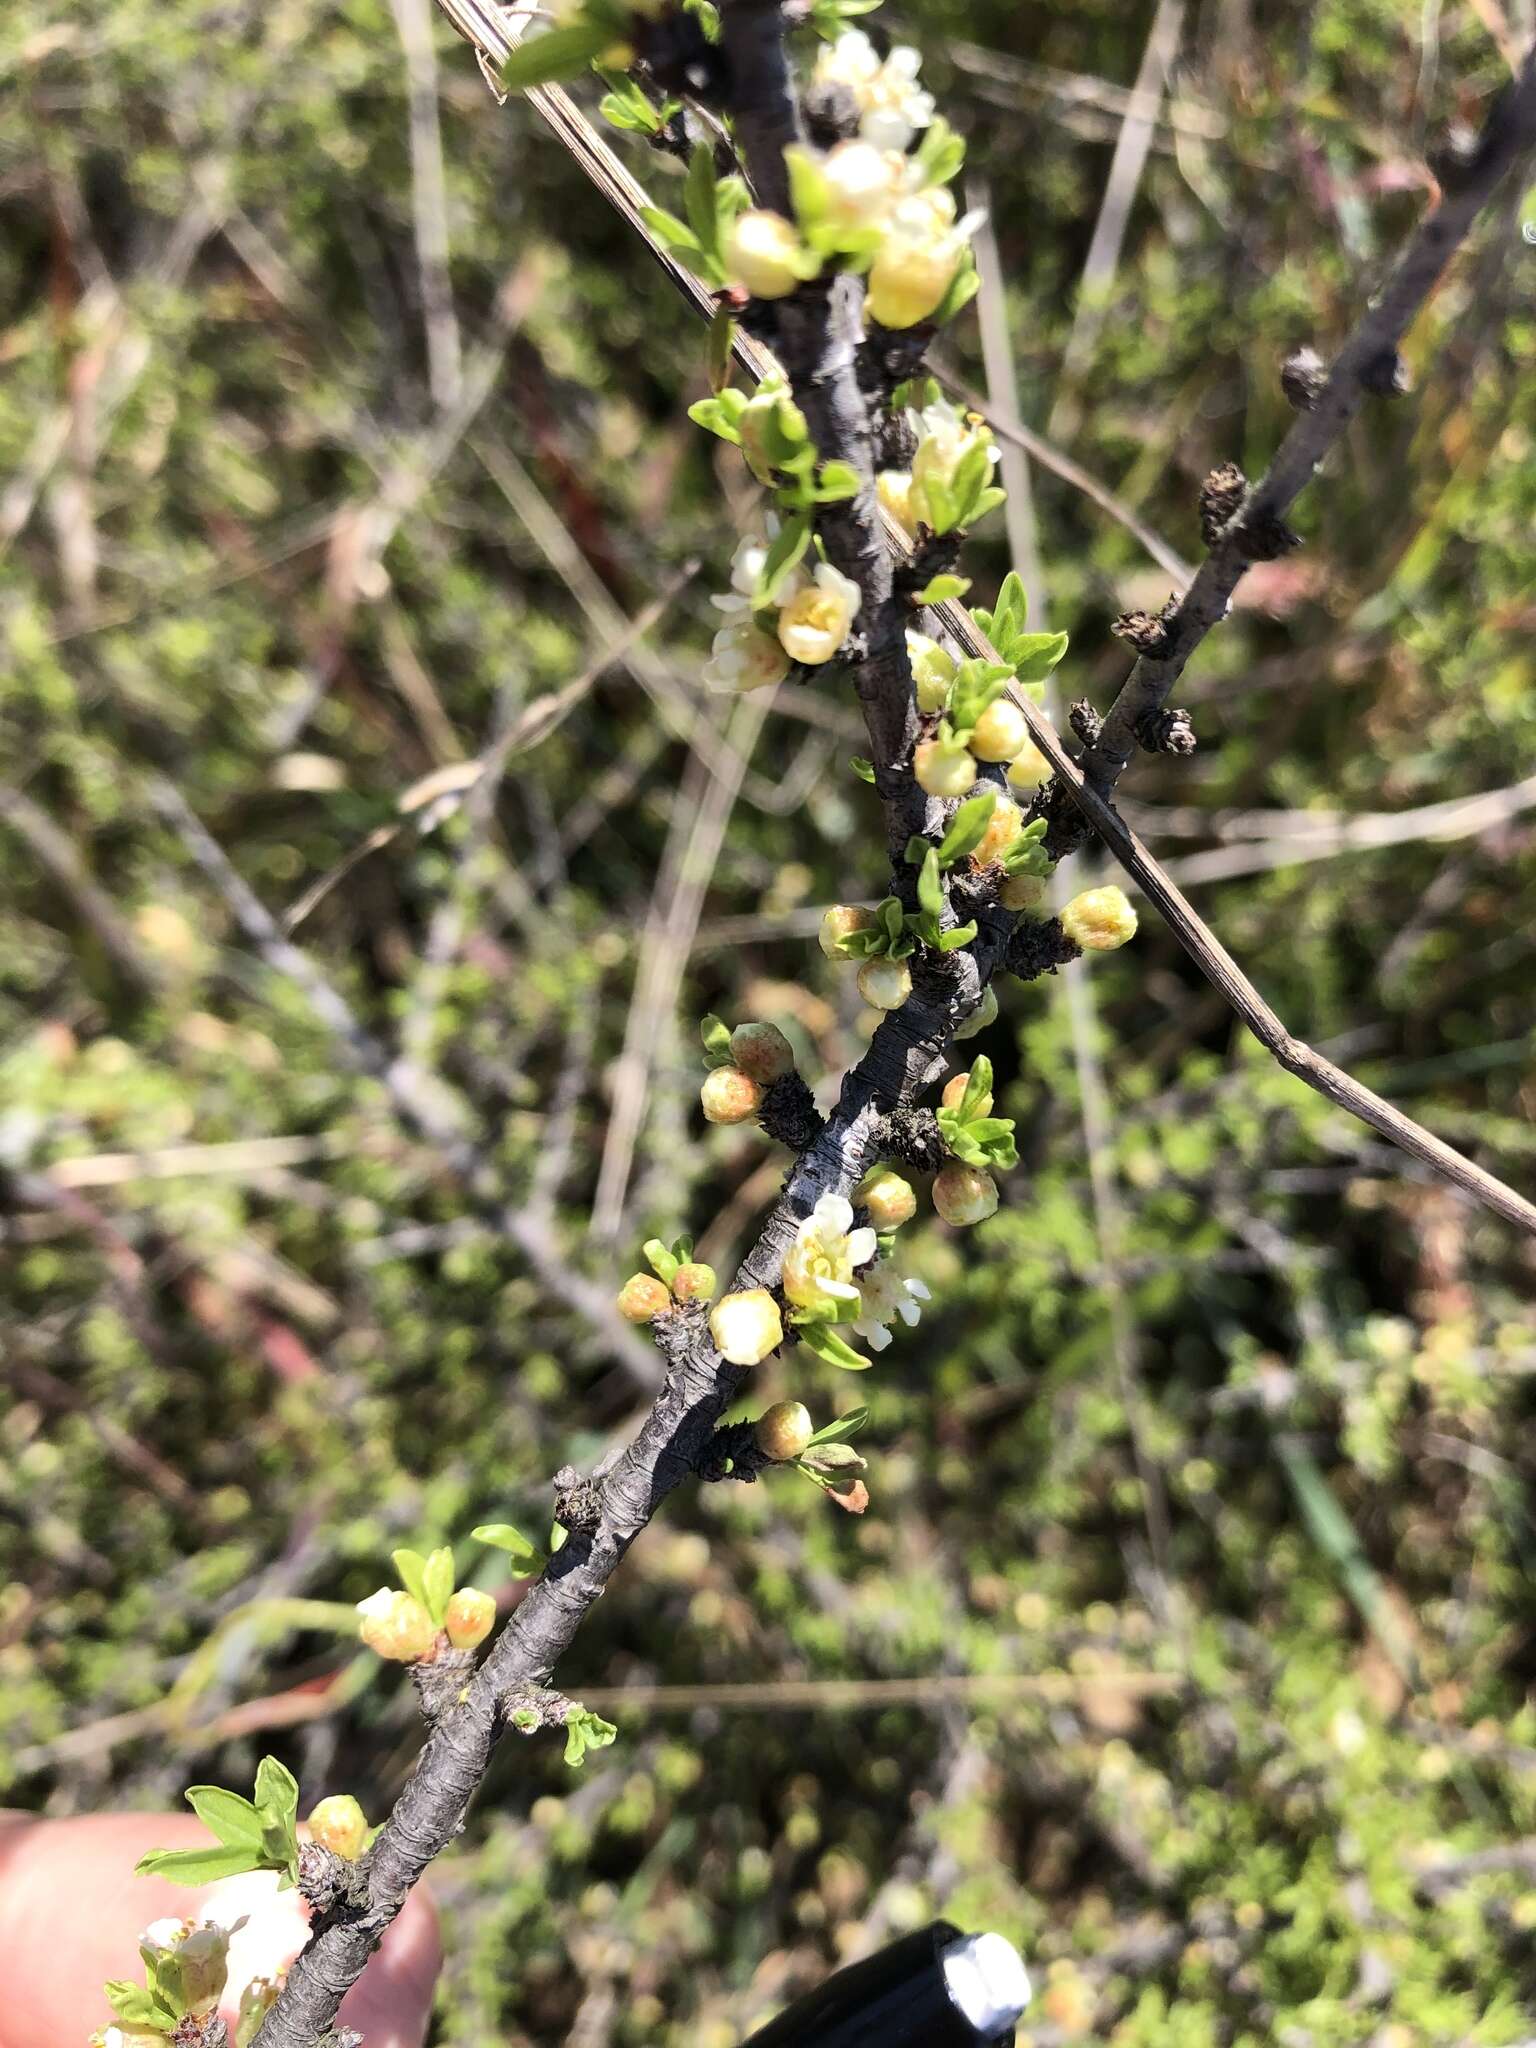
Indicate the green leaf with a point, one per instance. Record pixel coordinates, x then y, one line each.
960 935
672 233
525 1554
996 1137
411 1568
967 827
717 1053
825 1342
1034 655
231 1819
846 1426
720 415
585 1730
561 53
134 2006
837 480
941 152
834 1458
627 107
941 588
196 1866
967 283
682 1249
663 1263
277 1790
439 1584
891 917
978 1086
930 889
865 770
789 544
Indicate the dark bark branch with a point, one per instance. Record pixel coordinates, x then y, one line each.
1358 372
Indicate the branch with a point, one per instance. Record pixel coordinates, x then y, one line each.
1367 364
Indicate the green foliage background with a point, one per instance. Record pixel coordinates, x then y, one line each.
1216 1640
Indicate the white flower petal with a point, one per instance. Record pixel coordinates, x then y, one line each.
834 1213
862 1245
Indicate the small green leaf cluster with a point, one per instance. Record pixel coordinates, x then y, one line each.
585 1731
830 17
973 1135
1030 656
712 204
890 937
626 106
928 921
525 1558
428 1579
253 1834
184 1978
601 31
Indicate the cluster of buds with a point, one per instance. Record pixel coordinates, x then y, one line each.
949 483
778 612
418 1621
785 1435
676 1277
743 1066
881 940
186 1965
968 708
964 1191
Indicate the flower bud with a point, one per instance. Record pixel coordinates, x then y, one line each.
862 183
1099 920
942 770
340 1825
1003 827
694 1282
913 269
642 1297
762 1051
888 1198
893 487
885 984
470 1618
933 670
816 621
746 1327
1022 892
396 1626
1029 769
840 920
964 1195
202 1960
1000 732
763 252
783 1431
986 1013
729 1096
954 1091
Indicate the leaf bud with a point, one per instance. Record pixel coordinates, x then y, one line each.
964 1195
762 1052
470 1618
747 1326
729 1096
885 984
889 1199
396 1626
784 1431
340 1825
1099 920
642 1297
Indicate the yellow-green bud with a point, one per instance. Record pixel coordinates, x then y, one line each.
1099 920
747 1326
762 1052
838 921
642 1297
729 1096
1000 732
964 1195
888 1198
954 1090
885 984
1021 892
986 1012
1003 827
893 487
340 1825
694 1282
942 770
470 1617
784 1430
912 271
763 252
1029 769
396 1625
933 670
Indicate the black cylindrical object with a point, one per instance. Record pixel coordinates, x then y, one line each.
937 1988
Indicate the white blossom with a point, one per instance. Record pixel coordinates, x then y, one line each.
819 1266
892 105
887 1296
816 621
